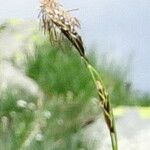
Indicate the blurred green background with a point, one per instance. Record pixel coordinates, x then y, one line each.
66 101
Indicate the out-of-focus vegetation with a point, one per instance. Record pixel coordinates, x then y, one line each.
2 27
58 72
55 120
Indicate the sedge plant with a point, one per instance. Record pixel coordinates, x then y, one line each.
60 25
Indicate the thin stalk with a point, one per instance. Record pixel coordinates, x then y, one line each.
51 20
113 135
104 103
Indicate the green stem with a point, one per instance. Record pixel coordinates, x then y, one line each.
105 99
114 139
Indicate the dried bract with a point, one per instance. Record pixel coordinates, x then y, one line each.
60 24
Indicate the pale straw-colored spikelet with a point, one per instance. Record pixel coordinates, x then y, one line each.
60 23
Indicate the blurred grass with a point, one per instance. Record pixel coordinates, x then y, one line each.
15 121
62 120
58 72
69 102
2 27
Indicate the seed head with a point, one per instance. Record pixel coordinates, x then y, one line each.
59 23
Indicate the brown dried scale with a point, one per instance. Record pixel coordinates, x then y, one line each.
58 22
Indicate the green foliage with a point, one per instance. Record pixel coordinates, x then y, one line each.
67 105
15 120
61 120
2 27
62 130
58 72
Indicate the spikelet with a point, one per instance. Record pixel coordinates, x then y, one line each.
60 24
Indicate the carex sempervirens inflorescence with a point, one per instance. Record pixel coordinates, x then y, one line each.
59 23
